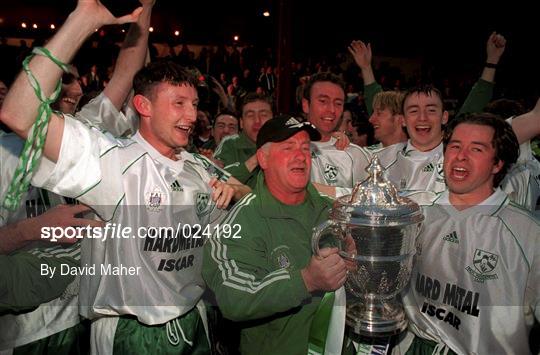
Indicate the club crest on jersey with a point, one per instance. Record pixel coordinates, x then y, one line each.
202 203
283 261
330 173
483 264
155 200
281 257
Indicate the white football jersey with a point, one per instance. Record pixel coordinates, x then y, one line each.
62 312
522 182
412 170
340 168
103 115
140 192
475 284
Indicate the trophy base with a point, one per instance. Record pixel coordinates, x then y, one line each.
376 318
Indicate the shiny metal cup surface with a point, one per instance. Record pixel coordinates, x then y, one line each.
375 230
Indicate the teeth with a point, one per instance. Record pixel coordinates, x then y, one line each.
460 169
185 128
69 100
328 118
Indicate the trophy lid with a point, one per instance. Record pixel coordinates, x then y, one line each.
376 202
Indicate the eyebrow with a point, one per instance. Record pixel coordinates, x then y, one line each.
483 144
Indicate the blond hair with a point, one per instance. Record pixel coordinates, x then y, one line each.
391 100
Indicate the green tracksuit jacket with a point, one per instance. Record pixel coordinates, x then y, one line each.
233 151
257 279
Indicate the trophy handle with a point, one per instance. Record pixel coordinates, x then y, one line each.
317 233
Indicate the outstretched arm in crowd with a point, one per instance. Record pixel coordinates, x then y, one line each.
482 91
130 60
20 107
131 57
527 126
362 56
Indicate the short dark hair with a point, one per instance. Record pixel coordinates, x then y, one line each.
225 112
163 71
321 77
426 89
253 97
504 139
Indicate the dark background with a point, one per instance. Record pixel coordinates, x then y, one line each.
448 36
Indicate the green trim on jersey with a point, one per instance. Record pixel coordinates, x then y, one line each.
517 242
133 162
107 151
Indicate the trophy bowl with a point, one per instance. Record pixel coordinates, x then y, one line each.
375 230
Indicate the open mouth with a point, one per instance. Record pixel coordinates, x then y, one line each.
423 129
69 100
459 174
298 170
184 129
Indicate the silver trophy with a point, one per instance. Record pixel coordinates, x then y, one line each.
375 230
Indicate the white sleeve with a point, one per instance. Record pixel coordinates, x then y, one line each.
87 168
102 114
525 151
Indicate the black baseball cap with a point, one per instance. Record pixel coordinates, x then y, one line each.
283 127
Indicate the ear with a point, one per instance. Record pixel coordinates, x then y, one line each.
143 105
305 105
403 121
444 117
497 167
241 121
262 158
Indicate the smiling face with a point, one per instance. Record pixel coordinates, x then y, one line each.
424 117
470 164
287 167
387 127
71 92
325 107
168 116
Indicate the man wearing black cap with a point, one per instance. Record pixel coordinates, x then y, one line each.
268 278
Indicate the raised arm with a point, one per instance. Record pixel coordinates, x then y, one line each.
527 126
20 107
131 57
495 47
362 56
482 91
